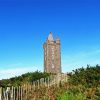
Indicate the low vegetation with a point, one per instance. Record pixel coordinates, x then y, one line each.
25 78
83 84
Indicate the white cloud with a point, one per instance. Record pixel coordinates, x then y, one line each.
69 62
80 59
8 73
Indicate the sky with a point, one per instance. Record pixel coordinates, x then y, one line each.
26 24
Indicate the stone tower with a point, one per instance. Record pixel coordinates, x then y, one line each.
52 55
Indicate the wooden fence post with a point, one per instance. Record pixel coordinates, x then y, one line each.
45 83
34 85
17 93
48 81
14 94
66 78
38 85
26 90
8 93
21 92
4 93
0 93
58 79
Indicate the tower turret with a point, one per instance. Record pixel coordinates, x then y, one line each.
50 37
57 40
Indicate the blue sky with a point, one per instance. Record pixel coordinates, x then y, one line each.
25 25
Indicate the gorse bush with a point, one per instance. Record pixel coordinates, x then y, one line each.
88 77
86 82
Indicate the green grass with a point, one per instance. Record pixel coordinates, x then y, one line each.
70 96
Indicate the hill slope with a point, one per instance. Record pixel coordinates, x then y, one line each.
24 78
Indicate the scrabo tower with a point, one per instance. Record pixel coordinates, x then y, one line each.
52 55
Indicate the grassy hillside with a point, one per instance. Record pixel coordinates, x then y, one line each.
24 78
88 77
83 84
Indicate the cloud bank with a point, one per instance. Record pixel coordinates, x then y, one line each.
12 72
80 59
